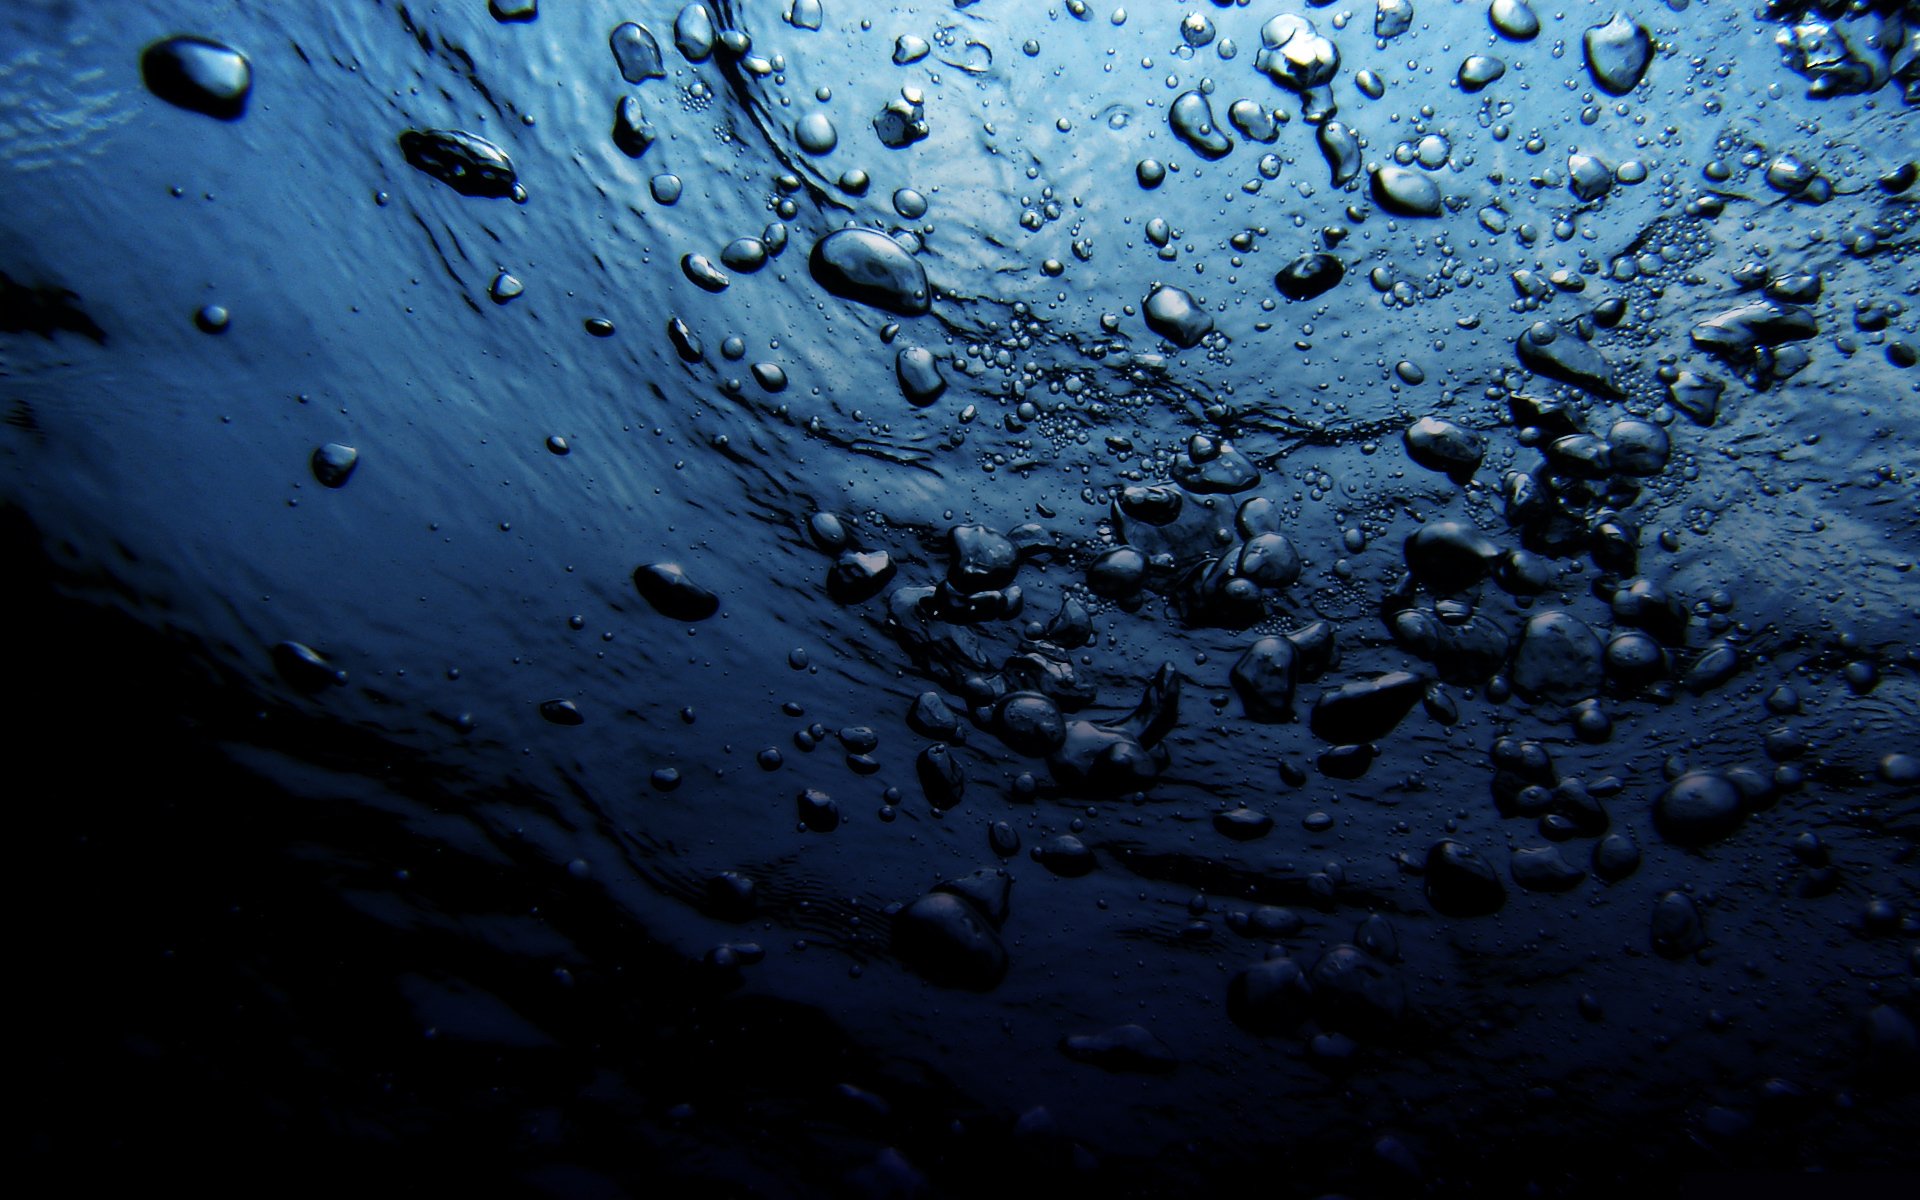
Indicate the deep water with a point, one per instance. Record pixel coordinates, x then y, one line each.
807 598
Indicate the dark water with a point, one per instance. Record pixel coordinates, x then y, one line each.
1441 684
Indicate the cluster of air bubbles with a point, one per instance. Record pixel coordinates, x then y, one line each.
1498 354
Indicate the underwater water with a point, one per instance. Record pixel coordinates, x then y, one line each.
816 598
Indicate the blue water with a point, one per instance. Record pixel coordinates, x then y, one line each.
371 818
